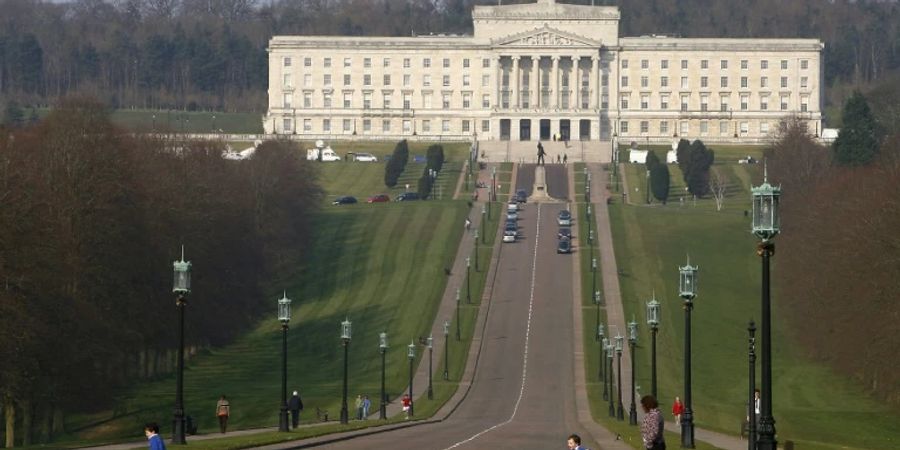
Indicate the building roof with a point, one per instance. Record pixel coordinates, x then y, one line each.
545 10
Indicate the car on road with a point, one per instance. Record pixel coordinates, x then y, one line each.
345 200
564 219
521 196
512 215
365 157
378 198
564 233
564 246
408 196
510 232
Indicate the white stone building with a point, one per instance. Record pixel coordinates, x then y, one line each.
536 70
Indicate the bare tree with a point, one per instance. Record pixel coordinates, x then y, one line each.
718 184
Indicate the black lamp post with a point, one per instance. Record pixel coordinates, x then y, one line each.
181 287
383 346
494 184
766 224
632 342
468 282
346 332
590 235
457 314
653 320
475 245
751 402
604 348
620 411
284 315
601 342
446 350
430 360
594 275
483 220
411 354
687 284
599 326
610 350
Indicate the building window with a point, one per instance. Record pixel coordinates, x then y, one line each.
307 62
467 101
685 127
645 64
723 103
624 63
684 102
386 62
624 81
804 103
287 80
784 102
704 64
326 125
367 63
307 99
486 101
426 126
445 101
326 62
723 64
465 63
485 80
307 125
723 82
664 101
784 83
744 64
347 62
723 128
764 102
407 127
704 128
485 126
745 128
485 63
764 82
407 79
645 82
684 64
426 80
466 126
346 79
624 101
645 101
406 63
386 100
286 61
387 80
367 100
745 102
426 100
604 101
664 127
704 82
286 125
704 102
445 126
367 125
804 64
426 63
327 79
446 81
764 64
744 82
623 126
645 127
804 82
407 101
467 80
764 128
684 82
307 80
367 79
446 63
664 81
348 99
386 126
287 100
346 124
784 64
326 100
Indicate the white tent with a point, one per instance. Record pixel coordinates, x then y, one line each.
637 156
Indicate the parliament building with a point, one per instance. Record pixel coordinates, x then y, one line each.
539 70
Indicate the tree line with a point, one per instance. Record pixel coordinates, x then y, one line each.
92 220
197 54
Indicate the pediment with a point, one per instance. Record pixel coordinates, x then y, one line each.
546 37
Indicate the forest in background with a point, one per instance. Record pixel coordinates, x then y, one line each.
211 55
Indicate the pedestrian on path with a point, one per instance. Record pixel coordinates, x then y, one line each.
151 430
359 407
677 410
565 158
295 404
365 406
223 410
406 402
574 442
468 224
652 424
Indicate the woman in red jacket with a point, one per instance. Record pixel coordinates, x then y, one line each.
677 410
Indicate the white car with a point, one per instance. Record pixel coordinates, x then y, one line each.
365 157
512 215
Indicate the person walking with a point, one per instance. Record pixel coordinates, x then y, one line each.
365 406
223 410
406 402
677 410
565 158
574 442
359 407
295 404
652 425
151 430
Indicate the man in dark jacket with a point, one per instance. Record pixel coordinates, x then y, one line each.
295 405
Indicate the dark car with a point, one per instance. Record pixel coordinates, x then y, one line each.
345 200
564 233
380 198
407 196
521 196
564 219
564 246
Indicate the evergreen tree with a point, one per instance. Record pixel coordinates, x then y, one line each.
659 182
700 160
857 143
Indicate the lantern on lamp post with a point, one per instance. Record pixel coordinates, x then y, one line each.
632 343
687 290
653 307
411 354
346 334
446 350
620 411
181 287
382 347
601 339
430 345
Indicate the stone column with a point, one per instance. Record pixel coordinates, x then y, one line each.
554 84
514 83
498 83
536 81
575 85
594 86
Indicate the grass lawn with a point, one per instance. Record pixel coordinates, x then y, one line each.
812 406
144 120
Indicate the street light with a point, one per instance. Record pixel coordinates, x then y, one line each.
446 350
687 285
494 184
610 350
430 344
457 314
594 275
475 244
483 212
346 333
597 323
601 339
604 348
383 346
751 402
653 321
468 282
766 225
411 354
620 411
181 287
284 315
590 235
632 342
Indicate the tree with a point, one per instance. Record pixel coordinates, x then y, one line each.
857 143
659 182
699 161
718 184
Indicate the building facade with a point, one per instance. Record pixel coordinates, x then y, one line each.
539 70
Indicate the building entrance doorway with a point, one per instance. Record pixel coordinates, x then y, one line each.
565 129
504 129
584 129
545 129
525 130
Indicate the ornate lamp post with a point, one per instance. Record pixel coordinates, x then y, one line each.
284 315
346 333
494 184
620 411
601 338
599 327
604 348
766 225
751 402
468 282
687 285
475 245
590 236
446 350
483 212
382 347
457 314
181 287
411 354
430 358
610 350
632 343
593 274
653 320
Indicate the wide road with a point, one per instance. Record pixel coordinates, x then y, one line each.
522 395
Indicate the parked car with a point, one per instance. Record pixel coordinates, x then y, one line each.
564 233
408 196
512 207
379 198
510 232
512 215
345 200
564 219
564 246
365 157
521 196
